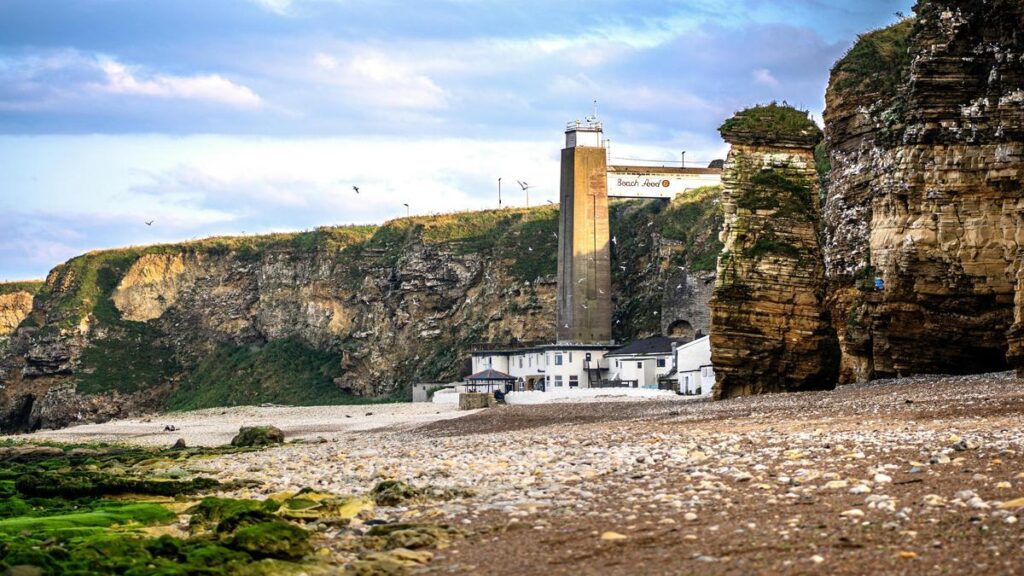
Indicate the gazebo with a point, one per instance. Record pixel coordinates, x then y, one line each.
488 379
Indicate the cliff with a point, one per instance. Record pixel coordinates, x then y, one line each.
770 329
336 315
922 222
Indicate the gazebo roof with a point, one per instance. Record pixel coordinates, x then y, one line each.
490 375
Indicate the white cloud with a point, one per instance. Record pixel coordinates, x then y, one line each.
64 78
765 77
377 79
277 6
120 79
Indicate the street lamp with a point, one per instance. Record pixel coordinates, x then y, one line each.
406 210
499 192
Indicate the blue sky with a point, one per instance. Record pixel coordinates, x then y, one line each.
231 116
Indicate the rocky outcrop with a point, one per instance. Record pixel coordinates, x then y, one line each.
925 135
306 318
14 309
769 328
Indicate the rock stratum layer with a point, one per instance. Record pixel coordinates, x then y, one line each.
325 316
925 134
770 331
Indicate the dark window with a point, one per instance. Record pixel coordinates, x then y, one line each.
661 362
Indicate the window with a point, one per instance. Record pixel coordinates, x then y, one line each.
558 359
640 365
587 358
520 361
531 361
558 381
570 357
490 362
574 381
661 362
616 363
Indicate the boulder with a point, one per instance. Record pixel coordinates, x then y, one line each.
249 436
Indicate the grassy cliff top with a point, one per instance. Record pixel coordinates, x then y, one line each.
771 124
30 286
878 63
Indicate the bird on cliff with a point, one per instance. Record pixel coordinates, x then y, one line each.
614 240
150 222
585 306
356 188
623 268
581 280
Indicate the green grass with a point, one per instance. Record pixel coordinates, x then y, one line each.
31 286
281 372
878 63
771 122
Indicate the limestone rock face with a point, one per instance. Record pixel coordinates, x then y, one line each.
922 221
152 284
364 311
14 308
769 328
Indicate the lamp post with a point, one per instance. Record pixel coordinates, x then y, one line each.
406 210
499 192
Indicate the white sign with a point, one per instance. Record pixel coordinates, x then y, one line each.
654 185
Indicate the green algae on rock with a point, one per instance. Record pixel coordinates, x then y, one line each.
249 436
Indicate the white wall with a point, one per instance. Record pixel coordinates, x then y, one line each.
694 360
643 369
583 394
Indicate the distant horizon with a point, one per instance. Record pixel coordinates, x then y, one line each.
260 115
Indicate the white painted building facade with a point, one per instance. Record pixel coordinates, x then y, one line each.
694 369
547 367
643 363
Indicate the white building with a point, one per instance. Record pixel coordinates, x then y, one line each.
693 367
642 364
548 367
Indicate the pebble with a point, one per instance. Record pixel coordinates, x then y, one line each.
613 536
853 513
817 559
882 478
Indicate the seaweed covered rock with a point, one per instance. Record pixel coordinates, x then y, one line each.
79 484
769 328
923 217
253 436
277 539
393 492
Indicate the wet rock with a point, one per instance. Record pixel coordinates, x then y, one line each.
258 436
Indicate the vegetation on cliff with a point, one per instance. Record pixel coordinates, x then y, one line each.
283 371
878 63
654 240
776 124
31 286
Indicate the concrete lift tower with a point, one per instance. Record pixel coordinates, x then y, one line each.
584 258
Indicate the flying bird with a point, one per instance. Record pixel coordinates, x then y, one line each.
356 188
615 240
150 222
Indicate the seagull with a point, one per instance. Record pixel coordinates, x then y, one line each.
623 268
356 188
150 222
650 223
530 248
555 234
614 240
679 287
581 280
601 291
584 306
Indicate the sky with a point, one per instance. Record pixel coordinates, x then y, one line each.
211 117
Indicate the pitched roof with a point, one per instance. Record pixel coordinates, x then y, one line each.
490 374
647 346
